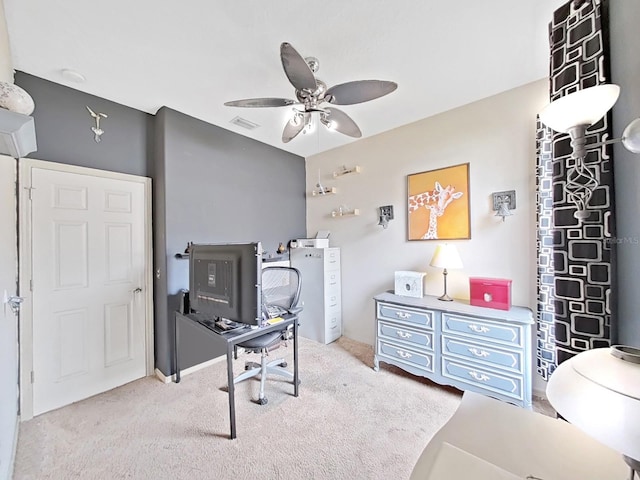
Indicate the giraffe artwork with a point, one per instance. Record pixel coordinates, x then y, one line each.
436 201
428 202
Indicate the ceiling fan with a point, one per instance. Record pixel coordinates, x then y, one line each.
312 93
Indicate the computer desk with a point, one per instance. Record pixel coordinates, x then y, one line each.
229 341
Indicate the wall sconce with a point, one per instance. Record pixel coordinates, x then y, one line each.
504 203
573 114
386 214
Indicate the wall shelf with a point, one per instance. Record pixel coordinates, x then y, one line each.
345 213
326 191
346 171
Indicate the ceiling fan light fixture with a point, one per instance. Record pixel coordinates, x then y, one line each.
312 95
308 126
327 122
297 118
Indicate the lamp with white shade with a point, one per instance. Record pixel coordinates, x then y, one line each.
574 114
598 391
446 256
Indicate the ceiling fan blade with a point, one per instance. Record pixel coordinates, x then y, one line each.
292 128
341 122
296 68
261 102
359 91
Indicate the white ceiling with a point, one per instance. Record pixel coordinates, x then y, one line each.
195 55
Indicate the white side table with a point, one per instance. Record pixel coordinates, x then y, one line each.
519 442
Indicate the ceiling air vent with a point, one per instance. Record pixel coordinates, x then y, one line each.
241 122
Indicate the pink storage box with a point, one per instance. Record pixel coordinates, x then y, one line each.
490 292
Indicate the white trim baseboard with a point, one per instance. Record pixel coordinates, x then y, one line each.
171 378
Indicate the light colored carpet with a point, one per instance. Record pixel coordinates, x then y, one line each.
349 422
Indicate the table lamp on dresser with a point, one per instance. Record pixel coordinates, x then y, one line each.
446 256
598 391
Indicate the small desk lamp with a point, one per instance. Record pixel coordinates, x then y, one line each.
446 256
599 392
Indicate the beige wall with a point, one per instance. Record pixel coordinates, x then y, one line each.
6 69
497 137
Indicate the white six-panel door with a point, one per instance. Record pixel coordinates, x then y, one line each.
89 285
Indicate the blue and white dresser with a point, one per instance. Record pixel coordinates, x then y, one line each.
453 343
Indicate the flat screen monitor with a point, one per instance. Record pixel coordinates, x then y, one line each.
224 281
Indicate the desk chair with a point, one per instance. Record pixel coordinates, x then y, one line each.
280 295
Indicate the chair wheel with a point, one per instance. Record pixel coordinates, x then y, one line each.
283 364
263 401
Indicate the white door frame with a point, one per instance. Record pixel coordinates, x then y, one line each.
25 166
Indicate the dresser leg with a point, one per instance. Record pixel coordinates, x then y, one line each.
376 363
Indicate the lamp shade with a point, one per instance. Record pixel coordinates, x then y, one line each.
600 394
446 256
584 107
631 136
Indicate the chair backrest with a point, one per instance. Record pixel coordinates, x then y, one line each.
280 290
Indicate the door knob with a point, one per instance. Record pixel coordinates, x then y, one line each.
137 290
14 302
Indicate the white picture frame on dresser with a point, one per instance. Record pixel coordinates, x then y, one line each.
453 343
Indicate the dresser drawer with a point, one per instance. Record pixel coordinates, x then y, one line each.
394 332
503 384
423 361
423 318
508 359
504 333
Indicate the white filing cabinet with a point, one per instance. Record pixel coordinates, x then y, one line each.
321 294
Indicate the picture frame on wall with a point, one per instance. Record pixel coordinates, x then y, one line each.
438 206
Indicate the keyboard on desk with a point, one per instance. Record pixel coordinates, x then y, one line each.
218 325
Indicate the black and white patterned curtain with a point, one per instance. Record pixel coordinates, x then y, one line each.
575 258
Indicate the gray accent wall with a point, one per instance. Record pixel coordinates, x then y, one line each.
63 129
625 71
209 185
218 187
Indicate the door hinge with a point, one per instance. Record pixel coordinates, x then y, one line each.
31 189
31 285
32 376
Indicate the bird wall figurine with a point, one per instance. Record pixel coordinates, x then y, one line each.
97 130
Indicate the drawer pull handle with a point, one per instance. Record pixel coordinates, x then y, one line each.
402 334
403 315
478 329
403 354
479 353
479 376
